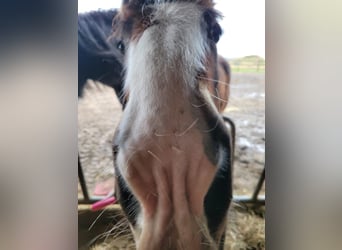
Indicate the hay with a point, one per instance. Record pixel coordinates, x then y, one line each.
246 230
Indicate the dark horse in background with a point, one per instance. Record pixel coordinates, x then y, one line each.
99 58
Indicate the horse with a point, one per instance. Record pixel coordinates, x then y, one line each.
99 58
172 151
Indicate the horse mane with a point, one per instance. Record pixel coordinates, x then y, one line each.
94 29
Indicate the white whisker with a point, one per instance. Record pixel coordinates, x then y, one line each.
218 98
217 122
130 157
92 224
218 81
185 131
213 80
154 156
162 135
199 106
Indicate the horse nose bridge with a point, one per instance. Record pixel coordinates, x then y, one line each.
180 173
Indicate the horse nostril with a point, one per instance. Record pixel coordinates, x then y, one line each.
120 46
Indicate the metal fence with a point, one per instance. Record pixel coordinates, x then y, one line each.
251 64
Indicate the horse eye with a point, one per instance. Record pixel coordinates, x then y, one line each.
213 28
120 46
216 33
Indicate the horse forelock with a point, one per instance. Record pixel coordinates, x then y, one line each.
137 15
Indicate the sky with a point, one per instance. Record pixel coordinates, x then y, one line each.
243 24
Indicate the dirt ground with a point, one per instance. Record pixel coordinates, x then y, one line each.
99 113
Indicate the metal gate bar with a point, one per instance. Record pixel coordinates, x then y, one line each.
259 186
240 198
83 184
255 199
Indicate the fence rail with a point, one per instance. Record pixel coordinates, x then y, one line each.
248 64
